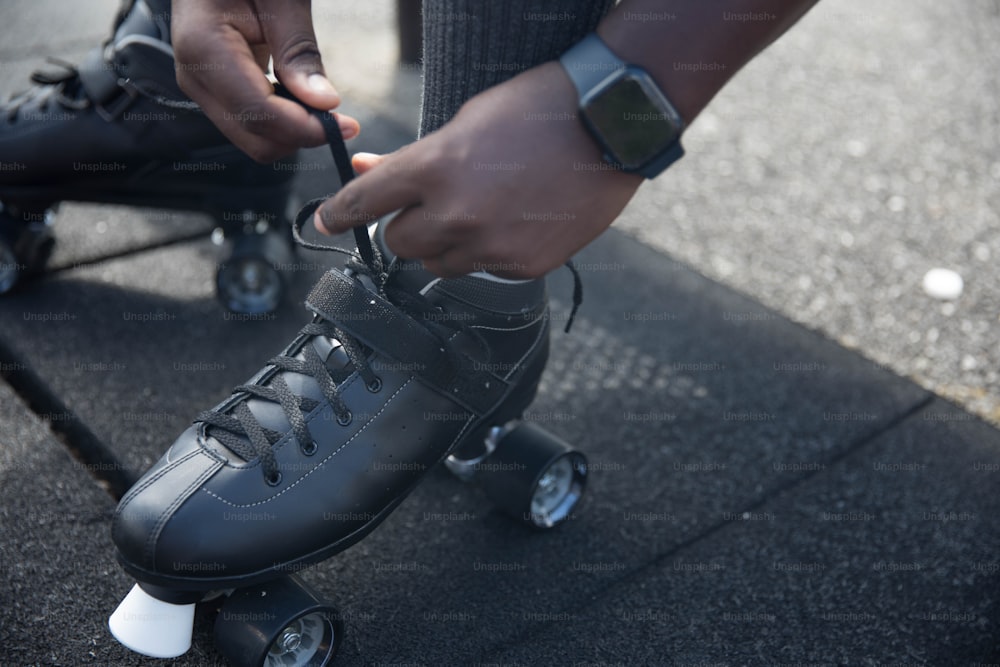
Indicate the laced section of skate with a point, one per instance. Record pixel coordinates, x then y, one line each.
59 86
235 425
238 428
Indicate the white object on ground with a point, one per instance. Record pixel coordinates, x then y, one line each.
943 284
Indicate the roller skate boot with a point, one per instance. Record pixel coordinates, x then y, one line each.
116 129
395 372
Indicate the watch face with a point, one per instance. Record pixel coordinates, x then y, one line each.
634 120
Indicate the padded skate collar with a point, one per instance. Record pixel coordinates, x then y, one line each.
100 83
147 65
137 65
389 331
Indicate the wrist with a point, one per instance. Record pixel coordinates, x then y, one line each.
554 101
687 96
637 128
692 49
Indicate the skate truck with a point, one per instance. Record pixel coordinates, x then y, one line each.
395 372
116 129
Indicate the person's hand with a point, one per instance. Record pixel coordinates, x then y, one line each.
513 185
221 47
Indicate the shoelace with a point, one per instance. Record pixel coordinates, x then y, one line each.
237 428
240 431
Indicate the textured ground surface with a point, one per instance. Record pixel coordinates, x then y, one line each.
856 155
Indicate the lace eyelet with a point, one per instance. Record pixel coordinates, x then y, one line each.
310 448
376 386
274 480
346 419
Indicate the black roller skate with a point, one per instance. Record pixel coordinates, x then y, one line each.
396 372
117 129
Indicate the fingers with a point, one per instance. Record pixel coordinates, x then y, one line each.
218 56
414 234
363 162
288 30
449 242
461 260
441 267
386 186
449 248
407 234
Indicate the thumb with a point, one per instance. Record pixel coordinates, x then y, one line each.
288 29
363 162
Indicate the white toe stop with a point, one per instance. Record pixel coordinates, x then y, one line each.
152 627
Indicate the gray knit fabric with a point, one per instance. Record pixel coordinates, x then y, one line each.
471 45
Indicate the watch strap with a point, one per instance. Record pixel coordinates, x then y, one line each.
659 164
589 62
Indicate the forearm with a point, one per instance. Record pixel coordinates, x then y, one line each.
693 47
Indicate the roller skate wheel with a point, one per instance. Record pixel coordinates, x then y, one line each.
553 488
252 280
533 475
299 642
26 242
152 627
558 490
277 624
249 285
10 269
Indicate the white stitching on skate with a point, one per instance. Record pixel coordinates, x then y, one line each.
486 328
534 346
135 491
149 548
154 536
318 465
538 339
461 434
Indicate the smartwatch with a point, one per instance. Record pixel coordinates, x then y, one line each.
634 123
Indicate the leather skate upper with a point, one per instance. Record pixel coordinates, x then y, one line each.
396 369
206 514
